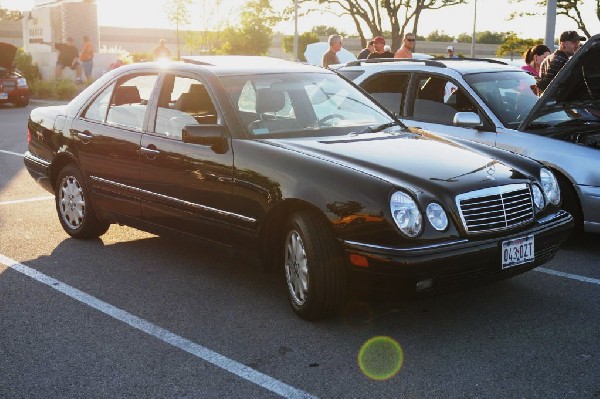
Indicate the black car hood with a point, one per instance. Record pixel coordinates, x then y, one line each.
7 55
414 159
577 85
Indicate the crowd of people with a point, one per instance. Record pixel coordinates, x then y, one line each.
539 61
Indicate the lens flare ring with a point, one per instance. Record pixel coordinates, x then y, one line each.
380 358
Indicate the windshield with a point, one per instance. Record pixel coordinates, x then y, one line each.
301 104
509 94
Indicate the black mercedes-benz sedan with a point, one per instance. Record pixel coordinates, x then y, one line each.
297 167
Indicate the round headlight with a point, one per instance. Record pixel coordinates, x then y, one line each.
550 186
406 214
538 197
437 216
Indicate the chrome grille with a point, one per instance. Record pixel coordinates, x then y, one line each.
496 208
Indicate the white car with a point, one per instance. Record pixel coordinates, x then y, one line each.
490 102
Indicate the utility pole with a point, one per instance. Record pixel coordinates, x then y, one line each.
550 24
296 30
474 25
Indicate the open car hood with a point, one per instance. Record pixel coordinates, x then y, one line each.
577 85
7 55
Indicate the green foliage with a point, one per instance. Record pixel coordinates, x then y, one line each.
488 37
464 38
322 30
513 45
303 40
437 36
24 64
59 89
253 37
177 11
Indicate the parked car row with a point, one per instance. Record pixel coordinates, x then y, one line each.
489 102
297 166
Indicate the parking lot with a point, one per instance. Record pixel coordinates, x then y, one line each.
136 315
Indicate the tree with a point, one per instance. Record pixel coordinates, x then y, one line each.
10 15
569 8
303 40
513 45
322 30
437 36
253 37
178 13
488 37
371 14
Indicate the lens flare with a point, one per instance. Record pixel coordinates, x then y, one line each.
380 358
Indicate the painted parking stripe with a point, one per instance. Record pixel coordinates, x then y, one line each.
45 198
166 336
569 275
12 153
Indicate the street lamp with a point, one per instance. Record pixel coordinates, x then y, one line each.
296 30
473 37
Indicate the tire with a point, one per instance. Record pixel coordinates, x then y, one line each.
23 103
315 273
73 205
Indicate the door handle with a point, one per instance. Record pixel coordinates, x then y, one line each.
150 151
85 136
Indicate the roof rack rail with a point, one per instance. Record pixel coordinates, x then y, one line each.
490 60
386 60
194 61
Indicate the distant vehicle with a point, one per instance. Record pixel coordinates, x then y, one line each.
294 164
13 85
493 103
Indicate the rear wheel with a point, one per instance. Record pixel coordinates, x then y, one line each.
74 207
314 269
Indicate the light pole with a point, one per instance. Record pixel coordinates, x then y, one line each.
474 24
296 30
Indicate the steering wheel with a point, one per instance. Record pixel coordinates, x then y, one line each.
327 118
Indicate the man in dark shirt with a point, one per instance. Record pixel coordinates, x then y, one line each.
380 51
68 56
569 43
366 51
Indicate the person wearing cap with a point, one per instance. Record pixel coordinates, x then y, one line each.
380 52
366 51
407 48
569 43
330 56
450 51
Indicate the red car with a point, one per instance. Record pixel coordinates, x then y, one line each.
13 85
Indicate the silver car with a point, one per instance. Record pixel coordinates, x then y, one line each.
490 102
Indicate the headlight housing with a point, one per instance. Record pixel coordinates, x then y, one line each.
538 197
550 186
406 214
21 82
437 216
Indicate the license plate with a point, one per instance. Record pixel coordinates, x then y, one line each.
3 96
518 251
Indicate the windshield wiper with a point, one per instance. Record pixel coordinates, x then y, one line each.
577 122
378 128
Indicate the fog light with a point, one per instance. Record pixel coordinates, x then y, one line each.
424 285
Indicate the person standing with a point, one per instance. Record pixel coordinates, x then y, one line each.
450 52
366 51
380 52
330 56
162 52
407 48
87 58
68 57
533 58
569 43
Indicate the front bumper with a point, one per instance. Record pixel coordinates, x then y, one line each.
453 265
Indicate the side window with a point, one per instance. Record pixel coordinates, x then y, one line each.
389 90
438 99
183 101
97 109
130 100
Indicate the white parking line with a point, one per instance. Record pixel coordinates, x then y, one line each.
568 275
12 153
177 341
45 198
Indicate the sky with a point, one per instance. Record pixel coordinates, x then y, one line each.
491 16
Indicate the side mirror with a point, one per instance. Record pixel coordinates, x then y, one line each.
212 135
466 119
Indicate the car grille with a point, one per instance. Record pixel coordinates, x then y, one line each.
496 208
7 86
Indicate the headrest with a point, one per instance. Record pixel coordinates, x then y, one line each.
126 95
269 100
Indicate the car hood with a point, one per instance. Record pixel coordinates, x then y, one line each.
7 55
414 159
577 85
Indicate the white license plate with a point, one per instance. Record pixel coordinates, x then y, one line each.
3 96
518 251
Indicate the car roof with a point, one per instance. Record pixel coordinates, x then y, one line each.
236 64
461 65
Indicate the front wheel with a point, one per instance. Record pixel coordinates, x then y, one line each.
314 269
74 207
